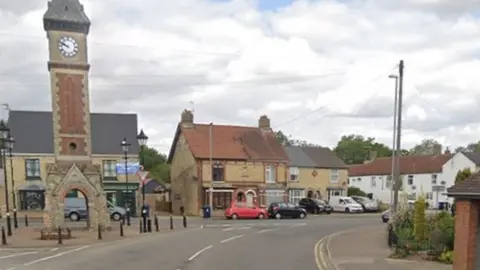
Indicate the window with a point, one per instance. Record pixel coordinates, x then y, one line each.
32 168
221 200
295 195
270 174
434 179
410 180
294 172
373 182
429 196
359 179
110 169
32 200
334 175
218 172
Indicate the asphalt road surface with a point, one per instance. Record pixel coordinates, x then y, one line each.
215 244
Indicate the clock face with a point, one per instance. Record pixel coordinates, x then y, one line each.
68 46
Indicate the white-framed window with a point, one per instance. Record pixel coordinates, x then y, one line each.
334 176
294 172
110 169
434 179
373 182
270 174
295 195
32 168
359 179
429 196
410 180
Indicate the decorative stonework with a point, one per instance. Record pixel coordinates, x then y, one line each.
71 104
86 178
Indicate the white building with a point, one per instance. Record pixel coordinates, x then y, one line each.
458 162
420 174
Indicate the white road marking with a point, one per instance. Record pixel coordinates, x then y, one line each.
55 256
54 249
227 229
18 254
199 252
231 238
201 227
11 268
266 230
298 225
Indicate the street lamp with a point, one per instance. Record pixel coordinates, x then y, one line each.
9 146
4 136
125 145
394 151
142 141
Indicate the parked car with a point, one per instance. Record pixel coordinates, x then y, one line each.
281 210
367 204
243 210
315 206
76 209
344 204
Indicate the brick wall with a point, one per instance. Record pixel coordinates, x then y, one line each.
466 220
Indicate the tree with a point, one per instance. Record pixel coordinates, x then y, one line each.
426 147
155 163
288 141
355 149
419 219
462 175
354 191
471 148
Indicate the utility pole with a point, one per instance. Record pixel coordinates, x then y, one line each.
210 138
394 137
399 136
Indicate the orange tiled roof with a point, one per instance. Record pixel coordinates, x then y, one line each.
233 142
408 165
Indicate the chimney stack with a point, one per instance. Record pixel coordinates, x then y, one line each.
264 122
447 151
187 119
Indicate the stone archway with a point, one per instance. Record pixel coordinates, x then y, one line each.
250 196
62 178
240 196
310 194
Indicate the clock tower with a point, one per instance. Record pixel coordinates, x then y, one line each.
67 27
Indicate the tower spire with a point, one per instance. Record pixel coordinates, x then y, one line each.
66 15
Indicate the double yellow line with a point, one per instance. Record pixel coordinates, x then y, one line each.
319 253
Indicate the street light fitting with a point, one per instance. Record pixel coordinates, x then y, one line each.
9 143
393 76
124 145
142 138
4 130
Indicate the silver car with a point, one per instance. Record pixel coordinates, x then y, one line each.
76 209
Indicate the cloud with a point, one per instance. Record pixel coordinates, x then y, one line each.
237 62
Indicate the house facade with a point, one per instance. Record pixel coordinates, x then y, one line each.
315 172
215 164
419 174
458 162
34 149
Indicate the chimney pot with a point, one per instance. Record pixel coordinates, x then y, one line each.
264 122
187 118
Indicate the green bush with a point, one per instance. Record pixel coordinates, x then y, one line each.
419 220
446 257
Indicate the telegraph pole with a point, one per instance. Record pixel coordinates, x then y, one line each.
399 136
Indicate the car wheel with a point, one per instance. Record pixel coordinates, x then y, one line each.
278 216
234 216
261 216
347 210
302 215
74 217
116 216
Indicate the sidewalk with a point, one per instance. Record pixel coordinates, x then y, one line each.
367 248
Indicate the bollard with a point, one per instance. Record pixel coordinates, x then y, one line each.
15 220
121 229
128 218
149 225
26 221
4 237
184 221
140 226
60 240
171 222
157 228
99 228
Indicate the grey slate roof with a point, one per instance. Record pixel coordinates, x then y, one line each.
66 11
467 187
33 132
318 157
474 157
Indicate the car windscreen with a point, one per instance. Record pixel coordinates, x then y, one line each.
348 200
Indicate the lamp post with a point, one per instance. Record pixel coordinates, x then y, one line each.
125 145
142 141
9 145
4 136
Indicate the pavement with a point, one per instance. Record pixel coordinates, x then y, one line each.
213 244
365 249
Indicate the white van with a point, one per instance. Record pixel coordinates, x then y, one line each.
344 204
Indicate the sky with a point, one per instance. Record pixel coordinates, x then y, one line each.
317 69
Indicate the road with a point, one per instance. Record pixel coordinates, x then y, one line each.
218 244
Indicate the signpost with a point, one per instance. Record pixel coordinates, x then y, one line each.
142 176
437 189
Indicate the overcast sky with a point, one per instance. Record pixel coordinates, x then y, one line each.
233 61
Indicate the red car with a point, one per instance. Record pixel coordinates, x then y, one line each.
242 210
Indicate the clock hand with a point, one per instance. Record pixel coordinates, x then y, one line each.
64 44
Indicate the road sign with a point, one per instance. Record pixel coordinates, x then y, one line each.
142 175
438 188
